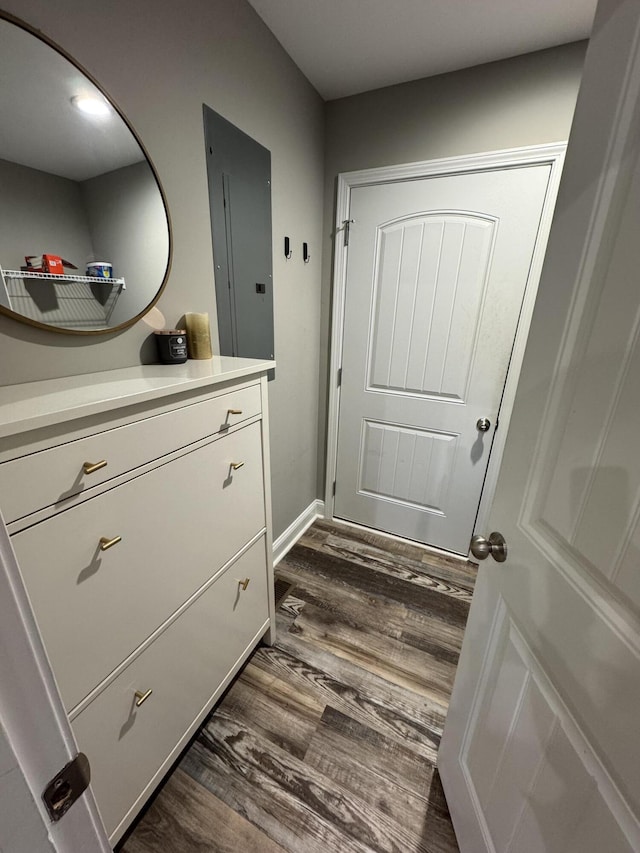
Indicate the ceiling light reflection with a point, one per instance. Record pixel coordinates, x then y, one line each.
91 105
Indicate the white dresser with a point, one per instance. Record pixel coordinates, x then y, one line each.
138 505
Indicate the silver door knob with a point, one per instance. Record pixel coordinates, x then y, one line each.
483 424
494 545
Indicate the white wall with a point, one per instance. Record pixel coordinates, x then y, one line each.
39 213
160 65
528 100
128 228
160 60
48 209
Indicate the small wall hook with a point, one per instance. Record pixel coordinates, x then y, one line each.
306 257
287 248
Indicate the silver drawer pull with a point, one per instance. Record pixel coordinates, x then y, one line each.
141 697
105 543
245 583
90 467
234 411
236 465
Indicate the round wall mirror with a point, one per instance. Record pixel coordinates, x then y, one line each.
85 238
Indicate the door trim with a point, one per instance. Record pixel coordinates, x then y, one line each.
537 155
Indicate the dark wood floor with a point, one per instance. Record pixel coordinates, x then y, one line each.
327 741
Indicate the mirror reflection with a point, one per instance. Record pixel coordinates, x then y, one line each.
79 198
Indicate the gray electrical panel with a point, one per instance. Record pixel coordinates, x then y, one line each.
239 174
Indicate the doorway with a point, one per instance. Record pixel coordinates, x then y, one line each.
436 267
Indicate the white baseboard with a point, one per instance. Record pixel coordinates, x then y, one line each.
294 531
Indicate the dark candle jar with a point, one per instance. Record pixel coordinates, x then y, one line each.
172 345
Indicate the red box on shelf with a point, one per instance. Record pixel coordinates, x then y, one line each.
52 264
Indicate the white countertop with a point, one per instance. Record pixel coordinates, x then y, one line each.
38 404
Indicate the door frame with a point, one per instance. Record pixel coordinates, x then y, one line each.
551 154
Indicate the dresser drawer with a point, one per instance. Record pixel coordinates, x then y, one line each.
127 745
51 477
179 523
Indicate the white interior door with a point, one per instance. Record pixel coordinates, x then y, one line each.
436 273
36 740
541 750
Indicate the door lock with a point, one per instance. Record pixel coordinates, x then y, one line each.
67 786
494 545
483 424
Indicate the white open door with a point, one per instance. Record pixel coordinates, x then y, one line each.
541 750
36 740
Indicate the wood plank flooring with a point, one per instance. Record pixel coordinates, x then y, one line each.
327 741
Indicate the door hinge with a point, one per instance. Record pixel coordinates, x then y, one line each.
339 377
67 786
347 225
333 490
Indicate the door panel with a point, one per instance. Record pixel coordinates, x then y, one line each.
595 477
550 665
436 273
411 466
513 762
429 282
521 768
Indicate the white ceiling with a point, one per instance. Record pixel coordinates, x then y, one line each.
350 46
40 126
